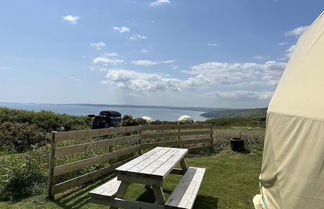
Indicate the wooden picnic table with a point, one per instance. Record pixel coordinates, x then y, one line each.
150 169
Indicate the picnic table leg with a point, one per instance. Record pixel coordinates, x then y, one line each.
183 165
159 195
121 191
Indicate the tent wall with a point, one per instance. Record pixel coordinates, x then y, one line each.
292 175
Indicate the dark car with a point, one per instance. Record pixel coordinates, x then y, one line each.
106 119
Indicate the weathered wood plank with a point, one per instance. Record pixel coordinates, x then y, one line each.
108 189
159 195
174 143
69 150
67 168
87 177
185 193
174 134
147 180
159 144
82 134
198 126
156 163
195 141
198 132
159 134
174 126
165 169
141 158
159 127
183 165
127 204
52 164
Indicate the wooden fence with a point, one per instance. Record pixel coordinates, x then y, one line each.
112 147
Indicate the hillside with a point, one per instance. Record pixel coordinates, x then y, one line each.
237 113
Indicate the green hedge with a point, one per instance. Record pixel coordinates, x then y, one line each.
23 175
241 122
21 136
46 120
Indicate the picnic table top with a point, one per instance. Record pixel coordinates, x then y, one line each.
157 163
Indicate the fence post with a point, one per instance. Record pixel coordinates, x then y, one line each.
179 137
211 138
140 140
52 164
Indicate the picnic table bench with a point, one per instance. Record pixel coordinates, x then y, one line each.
151 169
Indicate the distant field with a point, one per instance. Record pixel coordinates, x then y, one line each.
237 113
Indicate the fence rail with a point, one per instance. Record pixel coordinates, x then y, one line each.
113 144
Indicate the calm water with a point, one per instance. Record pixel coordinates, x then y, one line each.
156 114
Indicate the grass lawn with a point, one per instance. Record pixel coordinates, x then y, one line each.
230 182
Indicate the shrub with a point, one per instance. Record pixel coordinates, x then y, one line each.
23 175
163 122
21 136
46 120
128 120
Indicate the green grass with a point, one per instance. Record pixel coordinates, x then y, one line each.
230 182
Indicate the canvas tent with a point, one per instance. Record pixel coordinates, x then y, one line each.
292 174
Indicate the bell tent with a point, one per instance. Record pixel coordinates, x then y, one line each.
292 174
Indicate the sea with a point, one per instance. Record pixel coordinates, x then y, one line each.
76 109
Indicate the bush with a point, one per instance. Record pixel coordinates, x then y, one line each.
46 120
23 175
163 122
128 120
21 136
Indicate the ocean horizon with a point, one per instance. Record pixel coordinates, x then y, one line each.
155 112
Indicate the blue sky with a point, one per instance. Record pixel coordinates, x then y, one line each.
215 53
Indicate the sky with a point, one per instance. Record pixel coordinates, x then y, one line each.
211 53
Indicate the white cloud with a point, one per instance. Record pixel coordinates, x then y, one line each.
289 52
105 59
159 3
98 45
137 37
150 62
272 72
168 61
297 31
71 19
144 62
282 43
235 80
212 44
235 74
243 94
141 82
121 29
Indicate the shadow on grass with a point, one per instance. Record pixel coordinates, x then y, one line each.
78 198
206 202
202 201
